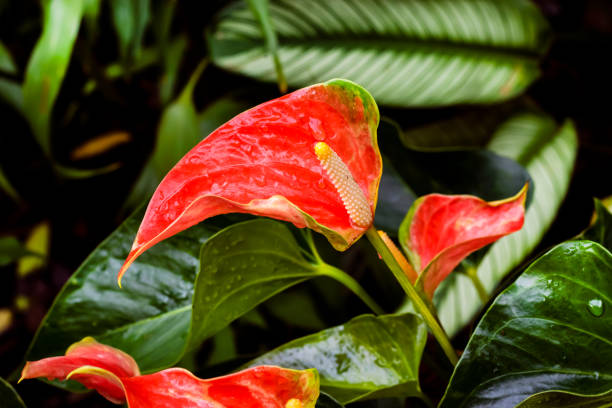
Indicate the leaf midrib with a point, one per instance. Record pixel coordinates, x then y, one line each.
401 44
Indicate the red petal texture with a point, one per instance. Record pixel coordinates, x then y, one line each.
257 387
87 352
440 231
115 376
263 162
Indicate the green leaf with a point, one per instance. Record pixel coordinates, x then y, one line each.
48 63
178 129
600 230
548 152
11 93
557 399
296 308
368 357
325 401
11 250
151 313
260 11
549 331
219 112
406 53
394 199
130 18
9 397
7 64
6 185
241 267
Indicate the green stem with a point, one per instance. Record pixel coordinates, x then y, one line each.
419 304
472 273
348 281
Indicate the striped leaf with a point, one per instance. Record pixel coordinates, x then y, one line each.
405 52
548 152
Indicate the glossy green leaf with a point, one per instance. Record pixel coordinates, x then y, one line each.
326 401
130 18
368 357
600 230
260 10
405 52
244 265
48 63
557 399
549 331
7 64
152 312
9 397
548 152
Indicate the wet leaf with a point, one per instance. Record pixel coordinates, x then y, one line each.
367 357
551 330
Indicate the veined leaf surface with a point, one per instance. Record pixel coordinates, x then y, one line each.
549 331
367 357
548 152
406 53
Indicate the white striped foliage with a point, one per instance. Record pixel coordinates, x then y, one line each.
405 52
548 152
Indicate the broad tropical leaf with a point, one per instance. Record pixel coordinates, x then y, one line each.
309 157
152 313
549 331
440 231
48 63
244 265
406 52
548 152
10 398
367 357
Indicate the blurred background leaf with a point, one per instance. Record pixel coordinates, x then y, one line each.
406 53
48 64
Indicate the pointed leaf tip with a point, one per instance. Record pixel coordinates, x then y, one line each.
265 162
440 231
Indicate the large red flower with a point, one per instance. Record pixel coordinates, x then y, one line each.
115 376
310 158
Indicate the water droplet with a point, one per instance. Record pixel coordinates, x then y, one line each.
596 307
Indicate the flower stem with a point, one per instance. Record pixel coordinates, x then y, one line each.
472 273
419 304
348 281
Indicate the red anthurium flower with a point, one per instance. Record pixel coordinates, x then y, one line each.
439 231
309 157
87 352
257 387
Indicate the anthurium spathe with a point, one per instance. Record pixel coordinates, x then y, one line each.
257 387
439 231
309 157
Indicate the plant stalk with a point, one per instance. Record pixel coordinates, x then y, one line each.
419 304
348 281
472 273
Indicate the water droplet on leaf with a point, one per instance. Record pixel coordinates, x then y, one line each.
596 307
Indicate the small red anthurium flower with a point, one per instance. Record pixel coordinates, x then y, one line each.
310 158
115 376
440 231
